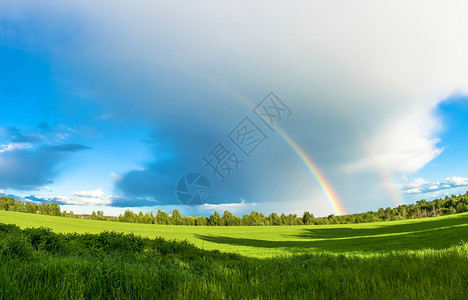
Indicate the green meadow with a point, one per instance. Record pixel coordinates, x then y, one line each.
267 241
86 259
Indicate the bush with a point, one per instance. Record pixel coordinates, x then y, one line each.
9 228
15 246
44 239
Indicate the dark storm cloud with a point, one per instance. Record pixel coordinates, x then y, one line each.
29 160
26 169
156 181
353 80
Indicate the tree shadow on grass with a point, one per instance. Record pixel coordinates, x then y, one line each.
383 228
339 240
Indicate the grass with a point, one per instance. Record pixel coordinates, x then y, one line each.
268 241
412 259
442 276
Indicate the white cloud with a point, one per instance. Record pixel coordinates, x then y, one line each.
416 183
90 194
456 181
91 198
14 146
233 207
73 200
413 191
420 185
404 145
91 201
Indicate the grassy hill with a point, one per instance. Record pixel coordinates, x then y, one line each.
260 241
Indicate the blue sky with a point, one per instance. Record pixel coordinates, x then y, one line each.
106 106
453 160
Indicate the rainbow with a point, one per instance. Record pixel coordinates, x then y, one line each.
389 183
392 187
315 171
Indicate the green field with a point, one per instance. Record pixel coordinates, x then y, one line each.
412 259
267 241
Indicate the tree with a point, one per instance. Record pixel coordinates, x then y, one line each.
308 218
423 208
200 221
176 218
162 217
257 219
215 220
229 219
274 219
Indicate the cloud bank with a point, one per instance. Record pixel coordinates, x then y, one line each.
30 159
363 80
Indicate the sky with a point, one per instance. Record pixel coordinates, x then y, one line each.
333 108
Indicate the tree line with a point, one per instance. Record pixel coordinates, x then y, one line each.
420 209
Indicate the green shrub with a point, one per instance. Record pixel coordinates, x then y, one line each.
9 228
15 246
43 239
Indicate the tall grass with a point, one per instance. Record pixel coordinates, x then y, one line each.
37 263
